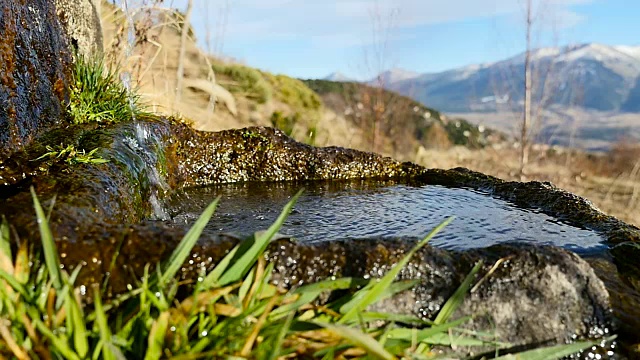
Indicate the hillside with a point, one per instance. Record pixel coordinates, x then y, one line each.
244 96
312 112
406 124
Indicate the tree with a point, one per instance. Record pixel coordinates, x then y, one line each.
535 81
526 117
377 60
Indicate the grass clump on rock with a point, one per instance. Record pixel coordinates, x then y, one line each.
231 312
97 95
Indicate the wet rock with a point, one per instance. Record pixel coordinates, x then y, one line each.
535 296
87 195
624 300
34 72
99 208
82 26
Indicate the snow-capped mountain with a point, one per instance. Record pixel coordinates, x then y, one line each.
337 76
393 76
592 76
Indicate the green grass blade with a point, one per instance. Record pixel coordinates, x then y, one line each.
305 298
552 352
245 261
458 297
78 326
48 244
187 243
330 285
406 334
459 340
5 239
360 339
103 325
156 337
392 289
396 318
213 277
58 344
374 293
246 285
15 284
309 293
282 333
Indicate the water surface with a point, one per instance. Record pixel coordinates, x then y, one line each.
363 209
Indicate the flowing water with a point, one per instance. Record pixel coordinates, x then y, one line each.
363 209
143 138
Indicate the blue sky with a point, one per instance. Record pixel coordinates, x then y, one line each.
312 38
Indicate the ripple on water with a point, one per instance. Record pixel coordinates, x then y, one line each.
331 211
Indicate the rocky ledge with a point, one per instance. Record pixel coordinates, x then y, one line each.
101 212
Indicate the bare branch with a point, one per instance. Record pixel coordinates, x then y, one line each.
183 45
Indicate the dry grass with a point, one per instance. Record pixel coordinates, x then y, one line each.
153 64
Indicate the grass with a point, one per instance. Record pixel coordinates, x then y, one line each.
232 311
284 123
294 92
71 155
246 81
97 95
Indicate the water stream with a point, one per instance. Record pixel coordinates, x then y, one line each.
364 209
143 135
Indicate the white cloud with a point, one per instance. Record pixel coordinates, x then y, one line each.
348 22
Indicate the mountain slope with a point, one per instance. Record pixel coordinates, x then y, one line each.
397 124
592 76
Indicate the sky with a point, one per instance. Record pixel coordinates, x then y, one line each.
360 38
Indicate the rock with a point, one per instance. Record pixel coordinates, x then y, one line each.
267 154
34 72
149 159
81 24
537 295
518 303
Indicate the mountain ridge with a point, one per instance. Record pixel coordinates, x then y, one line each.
592 76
